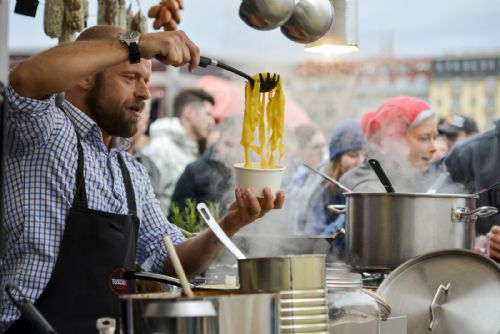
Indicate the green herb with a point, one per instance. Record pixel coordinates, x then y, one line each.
189 219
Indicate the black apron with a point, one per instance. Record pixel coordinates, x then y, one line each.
96 249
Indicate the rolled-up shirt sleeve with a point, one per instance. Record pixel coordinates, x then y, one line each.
151 252
31 122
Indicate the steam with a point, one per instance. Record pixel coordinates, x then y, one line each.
403 174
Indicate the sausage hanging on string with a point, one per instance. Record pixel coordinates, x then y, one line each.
75 16
139 23
166 14
53 18
112 12
129 17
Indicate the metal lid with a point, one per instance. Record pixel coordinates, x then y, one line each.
179 309
450 291
410 195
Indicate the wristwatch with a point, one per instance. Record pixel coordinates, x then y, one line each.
131 39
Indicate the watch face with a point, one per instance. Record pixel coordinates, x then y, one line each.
131 36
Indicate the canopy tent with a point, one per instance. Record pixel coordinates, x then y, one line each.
230 100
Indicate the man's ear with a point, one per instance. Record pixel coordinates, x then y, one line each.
188 113
87 83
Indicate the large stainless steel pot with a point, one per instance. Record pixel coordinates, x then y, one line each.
384 230
149 315
210 312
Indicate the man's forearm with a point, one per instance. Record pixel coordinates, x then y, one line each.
196 253
63 66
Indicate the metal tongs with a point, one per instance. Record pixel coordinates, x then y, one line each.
326 177
267 83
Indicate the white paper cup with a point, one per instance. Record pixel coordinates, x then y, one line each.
258 178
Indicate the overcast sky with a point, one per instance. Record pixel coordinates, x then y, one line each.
418 28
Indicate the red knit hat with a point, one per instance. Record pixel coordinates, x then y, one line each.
393 117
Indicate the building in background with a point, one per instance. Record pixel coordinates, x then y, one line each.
337 90
330 92
467 85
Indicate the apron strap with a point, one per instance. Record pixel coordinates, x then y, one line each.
80 192
129 189
80 198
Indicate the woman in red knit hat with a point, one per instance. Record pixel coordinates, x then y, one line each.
401 134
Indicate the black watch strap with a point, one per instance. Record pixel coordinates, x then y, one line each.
134 54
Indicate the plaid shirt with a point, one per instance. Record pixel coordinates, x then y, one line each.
39 191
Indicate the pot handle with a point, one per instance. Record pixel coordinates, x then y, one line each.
458 214
159 278
437 301
337 208
485 211
385 308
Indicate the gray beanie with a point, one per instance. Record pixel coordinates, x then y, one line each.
347 137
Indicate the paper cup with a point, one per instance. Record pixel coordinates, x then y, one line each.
258 178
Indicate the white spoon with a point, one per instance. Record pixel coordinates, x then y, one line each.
215 227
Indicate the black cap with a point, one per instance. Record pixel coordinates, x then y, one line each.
458 123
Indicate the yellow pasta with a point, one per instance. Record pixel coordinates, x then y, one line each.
265 111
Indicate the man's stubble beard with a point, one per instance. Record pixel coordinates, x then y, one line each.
111 117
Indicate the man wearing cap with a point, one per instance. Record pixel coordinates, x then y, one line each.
457 129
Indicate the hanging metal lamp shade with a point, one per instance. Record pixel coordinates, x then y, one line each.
343 34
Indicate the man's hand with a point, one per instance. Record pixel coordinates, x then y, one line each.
197 252
494 236
166 14
247 208
171 48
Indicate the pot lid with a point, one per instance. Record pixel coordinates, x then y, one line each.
179 309
447 291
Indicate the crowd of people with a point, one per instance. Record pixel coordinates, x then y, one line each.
414 146
416 149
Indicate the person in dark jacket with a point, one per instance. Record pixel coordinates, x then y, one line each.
210 178
205 180
475 163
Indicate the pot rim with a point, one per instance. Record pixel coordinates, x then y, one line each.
402 194
282 257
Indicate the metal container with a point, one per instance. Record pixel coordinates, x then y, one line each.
447 291
300 280
153 314
309 21
245 313
385 229
265 14
232 312
282 273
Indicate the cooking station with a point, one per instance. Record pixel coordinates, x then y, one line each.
441 290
